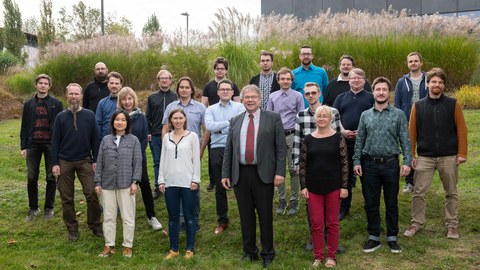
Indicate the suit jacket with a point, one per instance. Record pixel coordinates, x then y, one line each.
275 86
271 148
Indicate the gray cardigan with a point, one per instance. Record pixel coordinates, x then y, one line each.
118 167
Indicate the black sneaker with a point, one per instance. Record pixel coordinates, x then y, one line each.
73 236
48 214
394 247
210 187
371 246
32 213
293 208
282 207
157 194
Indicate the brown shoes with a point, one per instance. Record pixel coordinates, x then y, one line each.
171 254
107 251
412 230
452 233
220 228
127 252
188 255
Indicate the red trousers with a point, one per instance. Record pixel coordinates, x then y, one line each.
324 210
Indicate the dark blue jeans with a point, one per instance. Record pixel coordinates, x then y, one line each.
376 175
173 197
34 157
156 148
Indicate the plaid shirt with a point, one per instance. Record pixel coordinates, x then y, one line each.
265 84
304 125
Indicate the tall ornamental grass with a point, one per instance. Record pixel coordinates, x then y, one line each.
468 96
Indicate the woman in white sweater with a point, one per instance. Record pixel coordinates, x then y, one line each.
179 179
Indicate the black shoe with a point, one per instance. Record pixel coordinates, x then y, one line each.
73 236
342 215
210 187
157 194
371 246
341 250
282 207
249 258
394 247
309 246
98 233
267 262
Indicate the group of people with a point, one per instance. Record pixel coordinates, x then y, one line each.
325 133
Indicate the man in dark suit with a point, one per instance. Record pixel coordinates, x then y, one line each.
266 80
254 162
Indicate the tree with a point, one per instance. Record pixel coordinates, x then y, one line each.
151 26
46 31
13 36
121 28
83 23
31 25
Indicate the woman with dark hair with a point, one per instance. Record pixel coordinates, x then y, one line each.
179 179
323 179
119 170
128 101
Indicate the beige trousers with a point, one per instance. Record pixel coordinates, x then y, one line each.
111 201
424 172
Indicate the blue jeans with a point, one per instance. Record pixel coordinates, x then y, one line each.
156 147
376 175
188 198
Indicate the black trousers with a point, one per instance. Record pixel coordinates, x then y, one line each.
347 202
146 189
216 158
34 157
254 195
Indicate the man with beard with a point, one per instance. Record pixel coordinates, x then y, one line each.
411 88
267 79
108 105
75 145
38 118
308 72
381 133
350 105
340 84
156 105
96 90
439 134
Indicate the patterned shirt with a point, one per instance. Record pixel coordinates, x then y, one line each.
305 124
265 86
382 134
41 127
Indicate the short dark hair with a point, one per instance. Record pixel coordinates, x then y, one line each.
115 74
266 53
225 81
127 117
220 60
306 47
43 76
382 80
174 111
438 72
346 56
190 81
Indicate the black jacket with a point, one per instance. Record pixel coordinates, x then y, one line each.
275 86
156 104
54 106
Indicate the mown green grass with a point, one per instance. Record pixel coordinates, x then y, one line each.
43 244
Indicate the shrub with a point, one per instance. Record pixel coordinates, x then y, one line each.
21 83
7 60
468 96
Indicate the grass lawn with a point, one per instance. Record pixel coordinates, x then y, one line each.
43 244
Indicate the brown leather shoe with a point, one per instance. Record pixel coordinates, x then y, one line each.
107 251
220 228
127 252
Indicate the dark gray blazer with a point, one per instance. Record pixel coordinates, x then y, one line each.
271 148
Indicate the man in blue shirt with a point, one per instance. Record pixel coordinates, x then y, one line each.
308 72
217 122
108 105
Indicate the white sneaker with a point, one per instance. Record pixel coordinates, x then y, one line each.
408 188
155 224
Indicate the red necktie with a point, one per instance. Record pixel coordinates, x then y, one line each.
249 145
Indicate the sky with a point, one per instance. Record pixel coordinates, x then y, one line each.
137 11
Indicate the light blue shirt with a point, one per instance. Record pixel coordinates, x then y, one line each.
312 74
105 109
217 121
195 112
243 136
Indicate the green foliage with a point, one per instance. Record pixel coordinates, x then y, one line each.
468 96
7 60
30 25
21 83
151 26
46 31
123 27
84 22
12 34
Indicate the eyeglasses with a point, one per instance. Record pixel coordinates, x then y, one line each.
306 54
163 78
311 94
356 78
225 90
250 97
